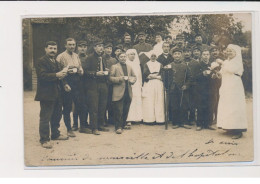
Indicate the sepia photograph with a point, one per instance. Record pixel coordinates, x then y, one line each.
138 89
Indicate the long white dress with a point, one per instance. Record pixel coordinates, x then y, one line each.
153 96
232 106
135 110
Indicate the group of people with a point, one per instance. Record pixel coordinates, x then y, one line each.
181 83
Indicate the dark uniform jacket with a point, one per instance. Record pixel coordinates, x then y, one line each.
165 61
48 85
142 47
91 67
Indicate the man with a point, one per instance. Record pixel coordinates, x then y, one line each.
196 53
165 58
127 42
179 84
214 84
118 49
199 42
96 75
203 79
49 76
142 46
82 52
169 40
189 61
179 43
122 77
73 89
109 61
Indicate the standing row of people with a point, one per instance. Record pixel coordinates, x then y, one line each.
141 83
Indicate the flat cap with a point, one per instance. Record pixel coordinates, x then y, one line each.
98 42
108 45
177 50
141 33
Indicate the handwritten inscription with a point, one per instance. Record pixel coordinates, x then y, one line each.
233 143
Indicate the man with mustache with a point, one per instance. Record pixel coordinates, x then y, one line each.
96 85
49 84
73 90
179 43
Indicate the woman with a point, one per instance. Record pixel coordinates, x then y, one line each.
152 92
232 105
135 111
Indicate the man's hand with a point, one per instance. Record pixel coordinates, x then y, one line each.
60 75
132 80
206 72
67 88
184 87
100 73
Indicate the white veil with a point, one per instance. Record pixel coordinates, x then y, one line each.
237 61
136 60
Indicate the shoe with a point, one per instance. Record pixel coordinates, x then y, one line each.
237 136
185 126
175 126
103 129
70 133
61 138
211 128
85 131
119 131
127 127
47 145
74 128
198 128
129 124
96 132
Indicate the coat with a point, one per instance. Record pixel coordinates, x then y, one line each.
90 69
48 85
115 76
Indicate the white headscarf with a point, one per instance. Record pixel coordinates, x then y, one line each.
135 64
154 66
236 62
136 60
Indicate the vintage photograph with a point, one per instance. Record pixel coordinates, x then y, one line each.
138 89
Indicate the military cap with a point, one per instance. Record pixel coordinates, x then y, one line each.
179 36
187 48
141 33
196 47
108 45
126 34
82 42
213 47
168 36
198 34
98 42
177 50
119 46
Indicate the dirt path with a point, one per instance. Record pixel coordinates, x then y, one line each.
142 144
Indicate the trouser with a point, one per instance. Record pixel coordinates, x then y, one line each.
178 110
192 104
76 96
204 117
97 103
109 117
50 113
121 109
76 115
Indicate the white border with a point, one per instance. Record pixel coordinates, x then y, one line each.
11 93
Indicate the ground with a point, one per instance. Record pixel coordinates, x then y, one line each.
143 144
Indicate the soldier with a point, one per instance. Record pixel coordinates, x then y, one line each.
109 61
189 61
169 40
96 76
82 52
118 50
196 53
203 79
142 46
179 84
199 42
179 43
127 42
215 84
